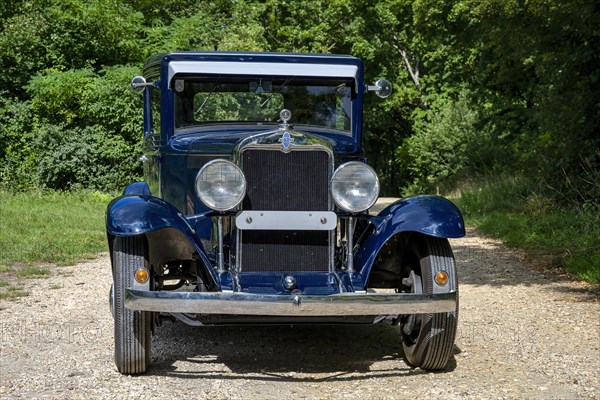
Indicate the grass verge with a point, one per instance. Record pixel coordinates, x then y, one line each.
510 210
50 227
47 227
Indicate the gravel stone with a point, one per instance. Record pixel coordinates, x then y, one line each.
523 333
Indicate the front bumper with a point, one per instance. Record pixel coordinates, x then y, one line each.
345 304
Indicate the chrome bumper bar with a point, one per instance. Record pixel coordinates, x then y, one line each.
345 304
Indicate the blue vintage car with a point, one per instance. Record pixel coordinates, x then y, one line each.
255 209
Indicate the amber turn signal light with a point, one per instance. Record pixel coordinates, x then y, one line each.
441 278
141 275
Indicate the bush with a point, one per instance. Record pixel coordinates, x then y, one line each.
88 130
90 157
84 98
439 148
16 158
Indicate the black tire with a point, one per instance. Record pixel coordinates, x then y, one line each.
428 339
132 328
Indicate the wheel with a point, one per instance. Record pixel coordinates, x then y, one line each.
428 339
132 328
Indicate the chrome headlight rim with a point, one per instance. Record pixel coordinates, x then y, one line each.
201 188
345 203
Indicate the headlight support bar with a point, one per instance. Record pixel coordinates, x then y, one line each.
220 253
350 245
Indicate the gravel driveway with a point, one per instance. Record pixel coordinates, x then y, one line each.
522 334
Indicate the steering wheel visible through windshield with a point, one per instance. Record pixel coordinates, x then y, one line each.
322 102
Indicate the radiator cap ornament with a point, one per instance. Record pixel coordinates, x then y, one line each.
285 115
286 140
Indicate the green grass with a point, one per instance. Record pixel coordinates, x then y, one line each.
11 292
31 271
559 236
50 227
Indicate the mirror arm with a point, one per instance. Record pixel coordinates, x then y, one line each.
382 88
141 85
138 84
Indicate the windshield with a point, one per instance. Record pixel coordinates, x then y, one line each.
322 102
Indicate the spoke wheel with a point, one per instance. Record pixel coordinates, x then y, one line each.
132 328
428 339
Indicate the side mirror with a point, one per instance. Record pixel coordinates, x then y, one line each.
138 84
382 88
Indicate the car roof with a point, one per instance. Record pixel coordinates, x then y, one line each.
241 56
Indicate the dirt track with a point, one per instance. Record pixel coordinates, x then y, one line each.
522 334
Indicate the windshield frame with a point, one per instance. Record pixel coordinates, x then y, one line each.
333 95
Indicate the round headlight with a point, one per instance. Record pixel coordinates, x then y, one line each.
354 186
221 185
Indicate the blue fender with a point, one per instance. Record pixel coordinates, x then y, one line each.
429 215
139 214
137 188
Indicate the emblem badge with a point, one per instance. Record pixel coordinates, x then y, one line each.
286 140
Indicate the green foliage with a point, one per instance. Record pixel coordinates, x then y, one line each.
99 32
22 46
538 79
216 25
509 209
16 158
88 128
11 292
32 271
75 158
442 147
480 86
110 102
308 26
66 34
57 95
51 227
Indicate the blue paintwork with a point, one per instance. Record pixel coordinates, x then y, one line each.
133 215
138 214
308 283
140 188
429 215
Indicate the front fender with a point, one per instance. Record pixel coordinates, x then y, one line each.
139 214
429 215
132 215
137 188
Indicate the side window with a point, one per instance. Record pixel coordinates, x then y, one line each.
155 127
152 117
152 139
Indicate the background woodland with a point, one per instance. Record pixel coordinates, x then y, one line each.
495 101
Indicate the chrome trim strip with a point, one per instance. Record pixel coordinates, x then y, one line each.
344 304
286 220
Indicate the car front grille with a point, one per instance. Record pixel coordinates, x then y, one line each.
293 181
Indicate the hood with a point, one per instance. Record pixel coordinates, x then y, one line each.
224 139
